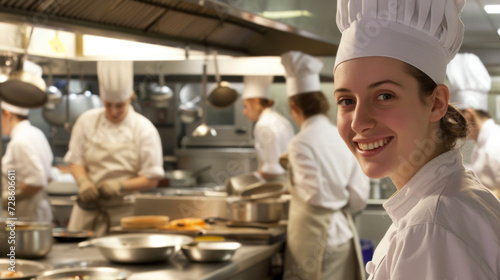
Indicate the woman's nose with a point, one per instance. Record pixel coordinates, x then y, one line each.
363 118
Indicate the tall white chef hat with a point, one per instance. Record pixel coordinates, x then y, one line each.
423 33
116 80
302 72
257 86
470 82
14 109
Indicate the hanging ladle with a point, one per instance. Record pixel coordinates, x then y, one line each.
203 129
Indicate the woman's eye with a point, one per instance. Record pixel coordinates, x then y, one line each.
345 102
385 96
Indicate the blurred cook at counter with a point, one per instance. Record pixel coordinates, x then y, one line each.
272 131
325 179
113 151
470 83
28 159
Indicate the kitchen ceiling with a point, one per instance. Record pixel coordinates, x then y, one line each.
235 27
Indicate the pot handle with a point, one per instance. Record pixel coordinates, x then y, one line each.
85 244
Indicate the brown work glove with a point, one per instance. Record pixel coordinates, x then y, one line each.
87 191
110 188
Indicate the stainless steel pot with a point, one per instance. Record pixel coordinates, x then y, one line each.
32 239
137 248
263 211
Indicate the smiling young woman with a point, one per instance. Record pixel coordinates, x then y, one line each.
394 116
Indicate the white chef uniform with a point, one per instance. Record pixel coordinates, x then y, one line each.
470 83
486 155
445 223
29 155
445 226
272 131
111 151
326 179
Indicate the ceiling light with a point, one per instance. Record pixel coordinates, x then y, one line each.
492 9
287 14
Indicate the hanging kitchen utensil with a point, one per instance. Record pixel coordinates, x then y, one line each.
8 61
203 129
189 96
161 94
22 88
53 93
222 94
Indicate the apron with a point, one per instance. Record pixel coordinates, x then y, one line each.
35 208
307 255
106 161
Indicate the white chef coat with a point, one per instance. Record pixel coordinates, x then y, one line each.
326 174
272 133
29 154
446 225
486 155
148 140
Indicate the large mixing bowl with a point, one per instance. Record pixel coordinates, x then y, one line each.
138 247
28 269
33 239
108 273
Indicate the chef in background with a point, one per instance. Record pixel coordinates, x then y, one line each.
325 180
113 151
28 158
470 83
272 131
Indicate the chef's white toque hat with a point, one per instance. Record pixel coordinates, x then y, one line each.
257 86
469 81
302 72
116 80
14 109
423 33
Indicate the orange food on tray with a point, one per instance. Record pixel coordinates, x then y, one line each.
190 224
10 274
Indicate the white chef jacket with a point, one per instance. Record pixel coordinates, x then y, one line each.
446 225
30 155
272 133
326 174
486 155
148 140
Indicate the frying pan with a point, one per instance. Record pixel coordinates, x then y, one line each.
22 88
222 94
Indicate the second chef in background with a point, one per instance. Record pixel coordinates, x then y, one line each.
113 151
272 131
325 179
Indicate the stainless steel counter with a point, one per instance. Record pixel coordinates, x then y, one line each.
249 262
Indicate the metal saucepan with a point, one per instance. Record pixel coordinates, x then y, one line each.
109 273
138 247
26 270
33 239
222 94
262 211
184 178
23 88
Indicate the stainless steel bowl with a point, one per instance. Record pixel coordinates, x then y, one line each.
29 269
33 239
94 273
138 247
210 251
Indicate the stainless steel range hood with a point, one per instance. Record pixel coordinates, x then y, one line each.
178 23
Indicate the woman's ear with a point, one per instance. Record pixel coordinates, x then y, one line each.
439 100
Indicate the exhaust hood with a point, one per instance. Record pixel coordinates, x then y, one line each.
196 24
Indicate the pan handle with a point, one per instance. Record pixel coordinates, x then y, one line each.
85 244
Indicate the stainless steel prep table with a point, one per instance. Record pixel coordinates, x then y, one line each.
249 262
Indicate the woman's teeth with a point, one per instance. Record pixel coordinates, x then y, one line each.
373 145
